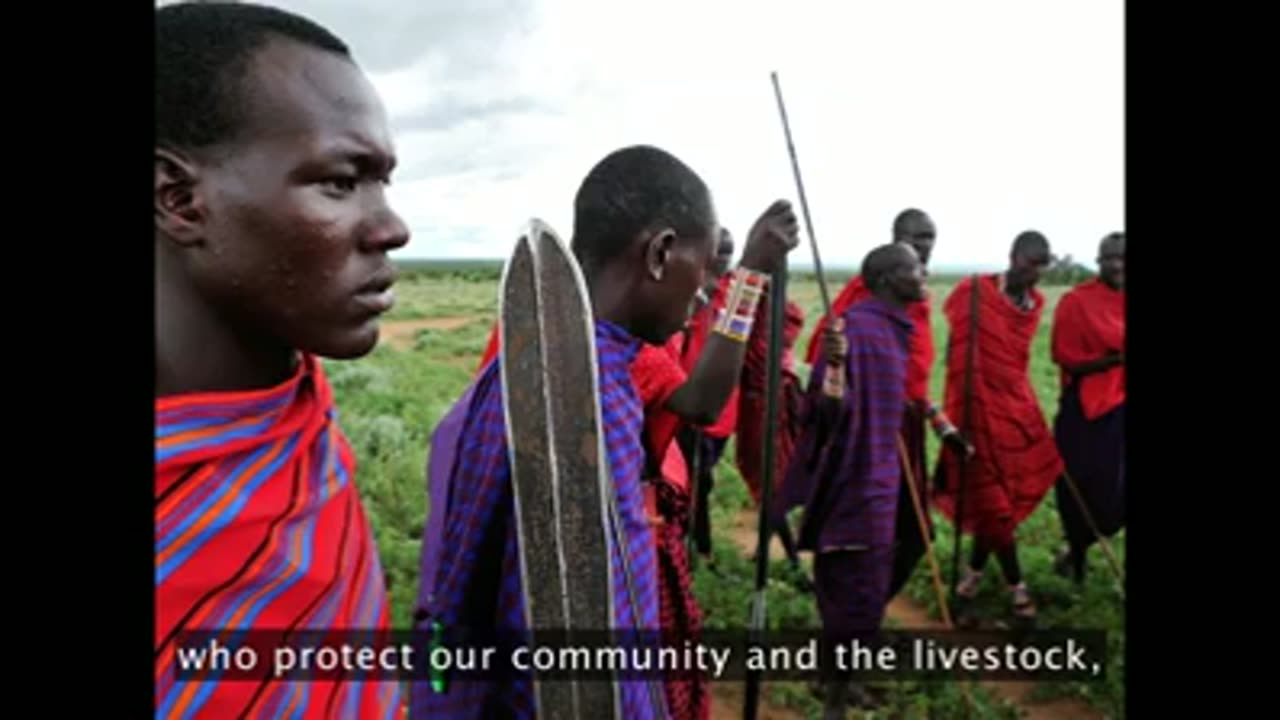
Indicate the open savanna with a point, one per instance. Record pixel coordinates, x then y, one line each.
390 401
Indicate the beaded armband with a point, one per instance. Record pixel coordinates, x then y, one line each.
735 319
833 382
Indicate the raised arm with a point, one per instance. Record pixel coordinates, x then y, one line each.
701 399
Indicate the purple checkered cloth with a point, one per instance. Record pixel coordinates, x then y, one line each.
846 462
477 583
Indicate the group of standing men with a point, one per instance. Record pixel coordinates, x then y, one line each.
860 460
272 234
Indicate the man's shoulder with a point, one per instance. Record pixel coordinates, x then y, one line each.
1071 296
668 353
656 373
869 319
923 305
1075 292
864 313
482 401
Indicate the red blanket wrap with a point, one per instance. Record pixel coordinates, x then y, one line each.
1017 461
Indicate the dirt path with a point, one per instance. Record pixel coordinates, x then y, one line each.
401 333
912 616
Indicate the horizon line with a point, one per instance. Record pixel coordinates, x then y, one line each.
798 266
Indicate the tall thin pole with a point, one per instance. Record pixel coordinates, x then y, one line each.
804 203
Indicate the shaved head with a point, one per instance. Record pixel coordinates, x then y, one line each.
645 228
894 273
906 219
1111 244
1031 243
880 262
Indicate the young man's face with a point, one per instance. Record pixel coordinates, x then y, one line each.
907 279
919 233
1029 265
1111 261
296 224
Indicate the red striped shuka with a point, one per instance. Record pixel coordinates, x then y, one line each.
657 374
1016 460
752 403
258 527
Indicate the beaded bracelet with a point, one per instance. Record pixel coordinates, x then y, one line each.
735 319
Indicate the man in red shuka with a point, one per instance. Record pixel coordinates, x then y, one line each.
659 374
272 234
1088 345
750 441
1016 461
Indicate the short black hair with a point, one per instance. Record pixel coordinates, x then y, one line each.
1110 237
880 262
1030 241
906 216
202 52
631 190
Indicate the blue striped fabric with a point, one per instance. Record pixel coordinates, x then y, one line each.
478 585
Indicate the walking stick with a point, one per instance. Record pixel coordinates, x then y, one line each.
934 568
1102 541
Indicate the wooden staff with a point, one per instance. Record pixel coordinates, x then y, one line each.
1102 541
935 569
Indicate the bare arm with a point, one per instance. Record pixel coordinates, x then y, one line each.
703 396
1068 347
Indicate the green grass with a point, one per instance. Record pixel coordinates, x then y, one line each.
391 400
423 294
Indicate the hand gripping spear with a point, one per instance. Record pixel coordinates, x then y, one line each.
777 313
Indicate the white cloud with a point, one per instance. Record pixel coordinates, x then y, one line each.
993 115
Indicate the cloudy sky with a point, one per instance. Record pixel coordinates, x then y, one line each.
994 116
